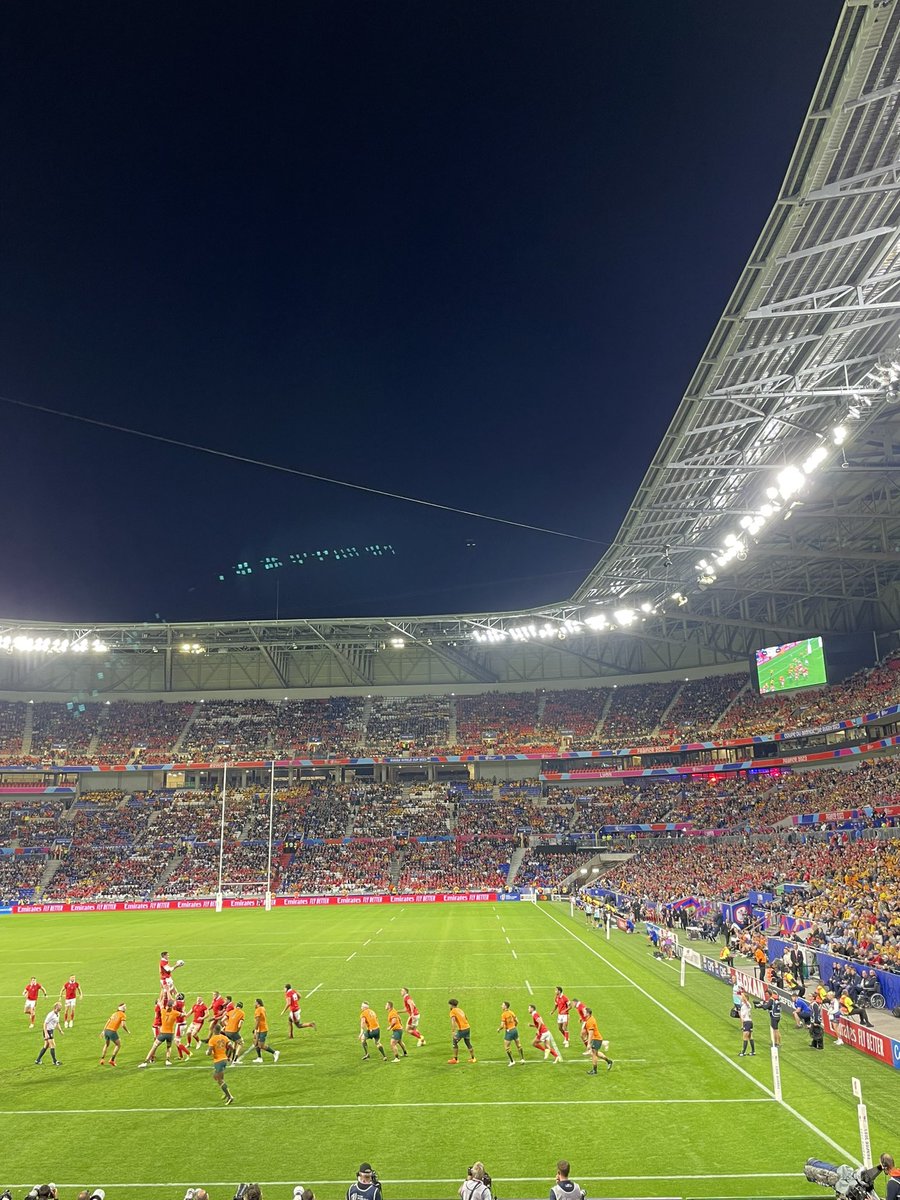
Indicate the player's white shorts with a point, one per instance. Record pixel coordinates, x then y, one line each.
29 1005
70 1003
412 1022
294 1015
562 1020
179 1030
194 1028
546 1039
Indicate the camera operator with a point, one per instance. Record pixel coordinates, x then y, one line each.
477 1184
565 1188
893 1177
367 1185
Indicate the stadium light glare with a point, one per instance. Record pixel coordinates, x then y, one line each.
839 433
790 481
814 460
624 616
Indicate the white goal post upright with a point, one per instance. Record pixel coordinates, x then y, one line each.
221 838
862 1117
271 820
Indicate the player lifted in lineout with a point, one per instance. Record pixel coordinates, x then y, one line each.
166 983
292 1008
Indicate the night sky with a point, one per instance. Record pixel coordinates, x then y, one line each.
460 250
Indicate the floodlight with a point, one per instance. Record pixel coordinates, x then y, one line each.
624 616
839 433
790 481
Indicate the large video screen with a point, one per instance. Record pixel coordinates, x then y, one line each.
791 665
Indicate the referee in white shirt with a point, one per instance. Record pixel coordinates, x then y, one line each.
51 1024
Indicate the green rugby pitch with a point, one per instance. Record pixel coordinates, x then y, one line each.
678 1115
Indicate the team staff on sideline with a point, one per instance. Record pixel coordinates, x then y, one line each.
51 1024
893 1177
110 1035
772 1004
509 1026
564 1188
461 1031
369 1030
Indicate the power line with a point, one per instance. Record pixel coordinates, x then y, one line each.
257 462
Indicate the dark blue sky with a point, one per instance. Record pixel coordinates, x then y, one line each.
465 251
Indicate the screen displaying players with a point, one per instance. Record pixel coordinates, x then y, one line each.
791 665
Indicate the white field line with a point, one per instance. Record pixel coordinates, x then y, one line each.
454 1179
514 954
353 955
530 988
267 1108
366 942
715 1049
313 992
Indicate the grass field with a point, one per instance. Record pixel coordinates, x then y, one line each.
677 1116
802 664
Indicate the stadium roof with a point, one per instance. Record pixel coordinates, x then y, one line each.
771 508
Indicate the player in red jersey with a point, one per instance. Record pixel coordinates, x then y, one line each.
166 985
157 1018
31 992
292 1008
69 992
217 1006
198 1016
412 1017
543 1038
582 1011
178 1006
561 1000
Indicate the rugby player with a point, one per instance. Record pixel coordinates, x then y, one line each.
412 1017
509 1026
168 1019
561 1000
68 992
595 1041
31 991
369 1030
543 1038
462 1031
261 1033
395 1025
198 1016
110 1035
218 1044
292 1008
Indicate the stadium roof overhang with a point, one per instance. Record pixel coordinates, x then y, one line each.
771 508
